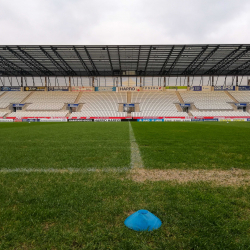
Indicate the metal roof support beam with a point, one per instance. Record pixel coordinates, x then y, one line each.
176 60
81 60
204 60
222 62
138 61
91 61
36 64
71 71
13 66
55 63
190 66
119 56
26 62
238 70
148 59
110 62
166 61
228 64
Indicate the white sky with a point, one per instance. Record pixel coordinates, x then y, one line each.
89 22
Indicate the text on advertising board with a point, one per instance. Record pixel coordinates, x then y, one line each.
128 89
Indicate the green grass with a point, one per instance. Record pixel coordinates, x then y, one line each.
64 145
204 145
87 211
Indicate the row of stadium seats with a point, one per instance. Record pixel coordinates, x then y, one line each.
101 104
241 96
106 104
219 113
11 97
207 100
2 114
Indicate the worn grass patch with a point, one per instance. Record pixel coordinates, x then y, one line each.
234 177
87 211
204 145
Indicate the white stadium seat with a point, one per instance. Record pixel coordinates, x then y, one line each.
207 100
12 97
103 104
159 104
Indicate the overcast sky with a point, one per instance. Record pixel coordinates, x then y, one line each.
90 22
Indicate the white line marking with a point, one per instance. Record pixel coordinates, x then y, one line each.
63 170
136 160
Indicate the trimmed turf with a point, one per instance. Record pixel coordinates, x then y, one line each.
64 145
201 145
87 211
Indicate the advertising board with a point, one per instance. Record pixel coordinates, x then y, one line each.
5 88
239 119
224 120
34 88
80 120
248 119
18 105
72 105
58 88
128 89
53 120
206 88
244 88
107 120
224 88
196 88
131 105
152 88
211 120
196 120
105 88
185 104
82 89
150 120
6 120
31 120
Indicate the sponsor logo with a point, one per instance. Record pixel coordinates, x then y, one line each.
58 88
244 88
34 88
157 88
126 89
128 105
239 120
18 105
196 88
221 88
31 120
105 88
87 89
206 88
72 105
10 88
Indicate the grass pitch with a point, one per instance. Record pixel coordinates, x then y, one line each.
86 210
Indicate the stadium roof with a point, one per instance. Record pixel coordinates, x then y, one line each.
125 60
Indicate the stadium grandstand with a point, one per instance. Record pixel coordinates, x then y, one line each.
164 82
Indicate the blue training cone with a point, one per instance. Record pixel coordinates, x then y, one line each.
143 220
